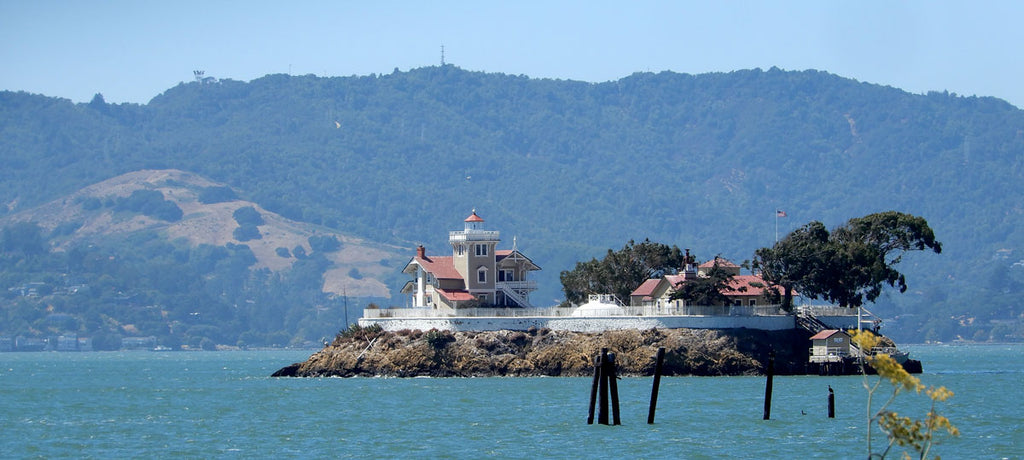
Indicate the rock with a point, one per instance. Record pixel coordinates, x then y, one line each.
544 352
290 370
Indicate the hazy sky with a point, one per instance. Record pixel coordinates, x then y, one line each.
131 51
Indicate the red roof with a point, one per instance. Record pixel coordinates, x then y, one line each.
474 217
647 288
675 280
456 296
722 263
825 334
740 281
734 289
441 267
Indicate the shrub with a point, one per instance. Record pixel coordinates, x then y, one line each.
324 243
247 233
438 339
150 203
247 215
356 332
210 195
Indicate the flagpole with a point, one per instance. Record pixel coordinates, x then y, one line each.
778 213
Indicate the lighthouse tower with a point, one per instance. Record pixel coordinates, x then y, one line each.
474 256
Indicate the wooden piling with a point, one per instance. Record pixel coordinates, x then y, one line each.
614 387
831 403
657 382
593 389
768 386
602 410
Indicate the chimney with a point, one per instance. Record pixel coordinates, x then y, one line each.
421 252
689 271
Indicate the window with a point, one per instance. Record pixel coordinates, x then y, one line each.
482 298
481 249
753 302
481 275
461 249
506 275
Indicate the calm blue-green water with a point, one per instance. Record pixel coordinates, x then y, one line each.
222 404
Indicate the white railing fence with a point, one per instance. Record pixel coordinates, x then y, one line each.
731 310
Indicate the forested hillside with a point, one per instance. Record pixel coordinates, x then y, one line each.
572 169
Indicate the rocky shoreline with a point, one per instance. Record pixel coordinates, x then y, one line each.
370 352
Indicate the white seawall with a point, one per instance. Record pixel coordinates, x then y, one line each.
585 324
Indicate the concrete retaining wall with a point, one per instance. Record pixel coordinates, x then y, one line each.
588 324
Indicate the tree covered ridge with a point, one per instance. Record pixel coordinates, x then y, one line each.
570 167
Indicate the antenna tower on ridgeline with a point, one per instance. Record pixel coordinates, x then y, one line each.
442 55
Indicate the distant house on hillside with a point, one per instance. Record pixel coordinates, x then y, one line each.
476 274
742 290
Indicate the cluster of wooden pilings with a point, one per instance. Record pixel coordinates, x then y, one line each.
605 390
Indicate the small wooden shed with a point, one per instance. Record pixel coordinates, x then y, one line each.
830 345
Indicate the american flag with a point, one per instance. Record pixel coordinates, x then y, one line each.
779 213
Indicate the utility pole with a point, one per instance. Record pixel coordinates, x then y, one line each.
344 292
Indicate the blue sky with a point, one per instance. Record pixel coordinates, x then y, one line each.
131 51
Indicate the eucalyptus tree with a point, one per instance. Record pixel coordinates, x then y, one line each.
620 272
850 265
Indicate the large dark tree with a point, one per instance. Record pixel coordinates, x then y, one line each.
796 260
24 238
620 272
850 265
865 251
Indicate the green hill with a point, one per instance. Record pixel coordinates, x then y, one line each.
572 169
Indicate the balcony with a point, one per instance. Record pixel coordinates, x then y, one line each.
474 235
526 285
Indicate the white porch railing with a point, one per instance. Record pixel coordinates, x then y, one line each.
830 354
530 285
473 235
833 310
465 312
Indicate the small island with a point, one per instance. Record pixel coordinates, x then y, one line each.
371 352
472 317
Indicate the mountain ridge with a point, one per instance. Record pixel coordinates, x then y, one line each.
573 168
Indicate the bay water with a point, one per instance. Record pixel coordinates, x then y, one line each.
225 405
